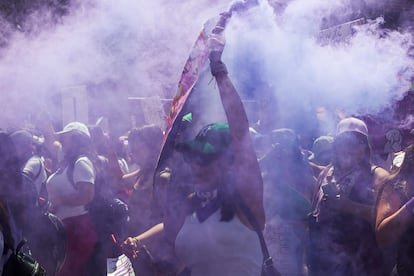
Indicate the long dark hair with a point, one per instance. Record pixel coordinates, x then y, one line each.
227 190
229 198
151 136
286 150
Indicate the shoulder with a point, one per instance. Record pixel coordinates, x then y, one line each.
33 165
84 170
84 161
391 194
380 176
34 161
380 172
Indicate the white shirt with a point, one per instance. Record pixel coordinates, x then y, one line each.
219 248
35 168
58 186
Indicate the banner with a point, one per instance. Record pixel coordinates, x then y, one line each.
194 70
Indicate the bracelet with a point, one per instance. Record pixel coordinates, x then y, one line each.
410 205
218 67
137 242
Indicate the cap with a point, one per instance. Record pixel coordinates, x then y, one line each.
352 125
76 127
212 139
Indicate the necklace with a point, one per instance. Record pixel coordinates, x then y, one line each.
206 197
208 203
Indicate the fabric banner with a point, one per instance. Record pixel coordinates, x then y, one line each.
194 71
193 68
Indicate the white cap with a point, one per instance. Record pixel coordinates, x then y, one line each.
77 127
352 125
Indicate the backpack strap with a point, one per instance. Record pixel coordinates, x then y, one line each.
319 194
40 170
71 167
33 177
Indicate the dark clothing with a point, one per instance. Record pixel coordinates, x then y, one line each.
81 239
342 243
405 255
405 248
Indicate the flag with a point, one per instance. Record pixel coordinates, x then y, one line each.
193 107
195 68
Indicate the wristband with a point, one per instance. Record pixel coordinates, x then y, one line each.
218 67
137 243
410 205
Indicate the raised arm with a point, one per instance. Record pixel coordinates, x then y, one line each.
249 181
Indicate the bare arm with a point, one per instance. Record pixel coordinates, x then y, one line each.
392 219
160 238
380 177
249 181
152 233
114 168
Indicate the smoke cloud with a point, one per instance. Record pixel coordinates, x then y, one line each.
360 74
138 48
141 46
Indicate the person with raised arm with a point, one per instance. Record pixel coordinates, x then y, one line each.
210 233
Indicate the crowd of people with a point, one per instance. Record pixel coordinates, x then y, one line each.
80 196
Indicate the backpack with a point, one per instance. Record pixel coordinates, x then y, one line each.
19 263
48 249
108 212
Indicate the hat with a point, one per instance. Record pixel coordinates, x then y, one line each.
352 125
75 127
212 139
